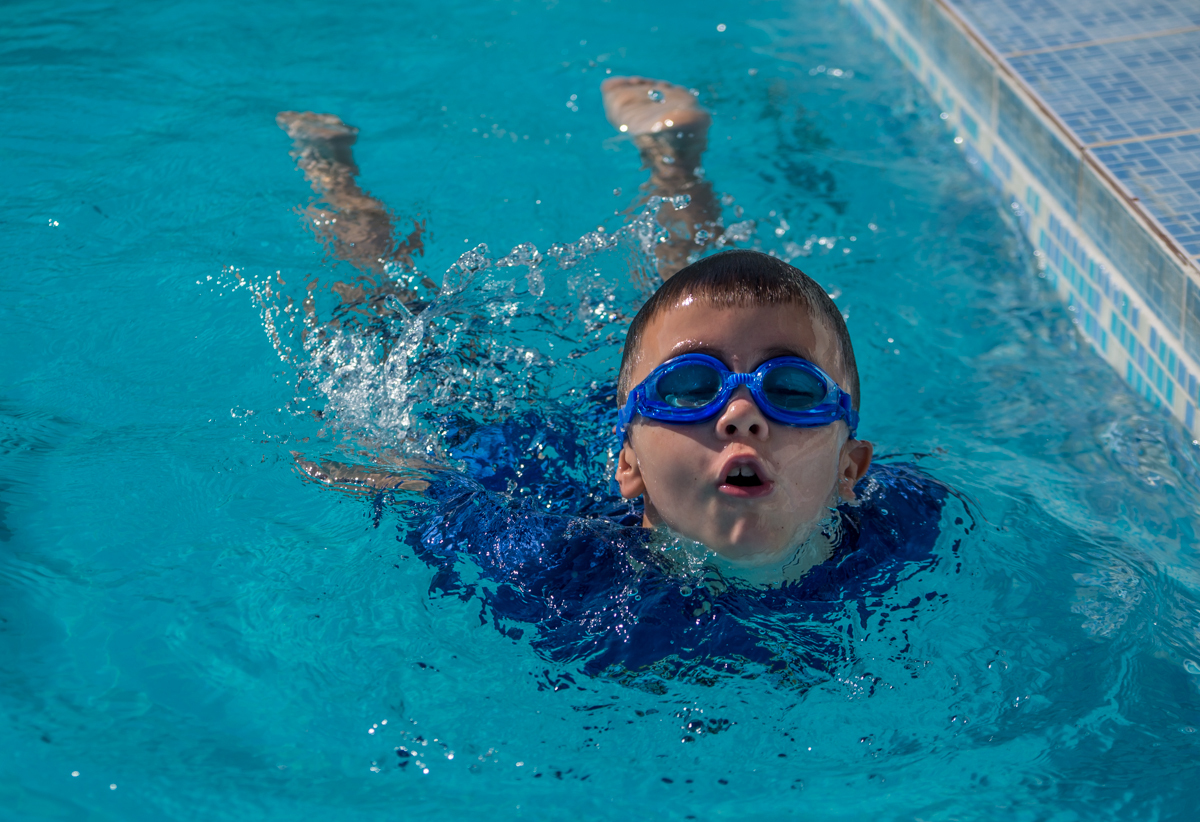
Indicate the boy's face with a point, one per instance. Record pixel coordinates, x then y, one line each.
681 469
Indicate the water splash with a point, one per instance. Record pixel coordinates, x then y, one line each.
406 369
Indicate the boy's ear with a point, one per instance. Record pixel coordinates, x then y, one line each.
629 473
855 460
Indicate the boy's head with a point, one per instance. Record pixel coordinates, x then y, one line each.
740 482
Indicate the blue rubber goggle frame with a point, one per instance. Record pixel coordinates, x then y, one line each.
645 400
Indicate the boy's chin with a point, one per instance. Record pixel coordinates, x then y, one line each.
751 555
748 543
787 557
750 549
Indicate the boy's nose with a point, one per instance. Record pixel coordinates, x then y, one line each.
741 417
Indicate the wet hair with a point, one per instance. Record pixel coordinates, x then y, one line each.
740 279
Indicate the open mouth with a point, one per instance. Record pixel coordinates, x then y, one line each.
743 476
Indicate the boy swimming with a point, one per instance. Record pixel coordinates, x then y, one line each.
736 409
752 467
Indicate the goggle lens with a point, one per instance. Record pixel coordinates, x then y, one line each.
793 389
690 386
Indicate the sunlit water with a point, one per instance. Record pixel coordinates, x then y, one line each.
190 628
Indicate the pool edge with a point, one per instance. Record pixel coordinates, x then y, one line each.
1127 283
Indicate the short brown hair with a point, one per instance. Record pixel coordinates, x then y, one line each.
740 279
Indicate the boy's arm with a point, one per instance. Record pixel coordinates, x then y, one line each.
404 478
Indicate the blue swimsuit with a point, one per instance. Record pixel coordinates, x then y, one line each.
594 592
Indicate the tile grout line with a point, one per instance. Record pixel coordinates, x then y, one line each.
1102 42
1143 138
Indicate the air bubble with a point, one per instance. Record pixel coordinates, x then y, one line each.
655 95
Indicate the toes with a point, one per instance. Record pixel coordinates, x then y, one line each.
312 126
613 83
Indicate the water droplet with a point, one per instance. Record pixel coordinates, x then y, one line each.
655 95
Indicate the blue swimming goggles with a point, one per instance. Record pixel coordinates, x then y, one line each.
695 387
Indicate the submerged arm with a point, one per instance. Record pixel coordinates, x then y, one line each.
363 478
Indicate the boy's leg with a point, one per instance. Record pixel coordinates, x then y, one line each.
353 225
671 130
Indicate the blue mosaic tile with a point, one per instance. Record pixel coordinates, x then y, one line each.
1131 90
1165 175
1120 90
1023 25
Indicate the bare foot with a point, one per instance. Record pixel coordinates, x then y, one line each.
639 105
318 136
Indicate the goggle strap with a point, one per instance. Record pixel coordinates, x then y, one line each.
848 409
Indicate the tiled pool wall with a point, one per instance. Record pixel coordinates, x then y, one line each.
1085 115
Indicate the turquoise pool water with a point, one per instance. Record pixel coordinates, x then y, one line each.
190 630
